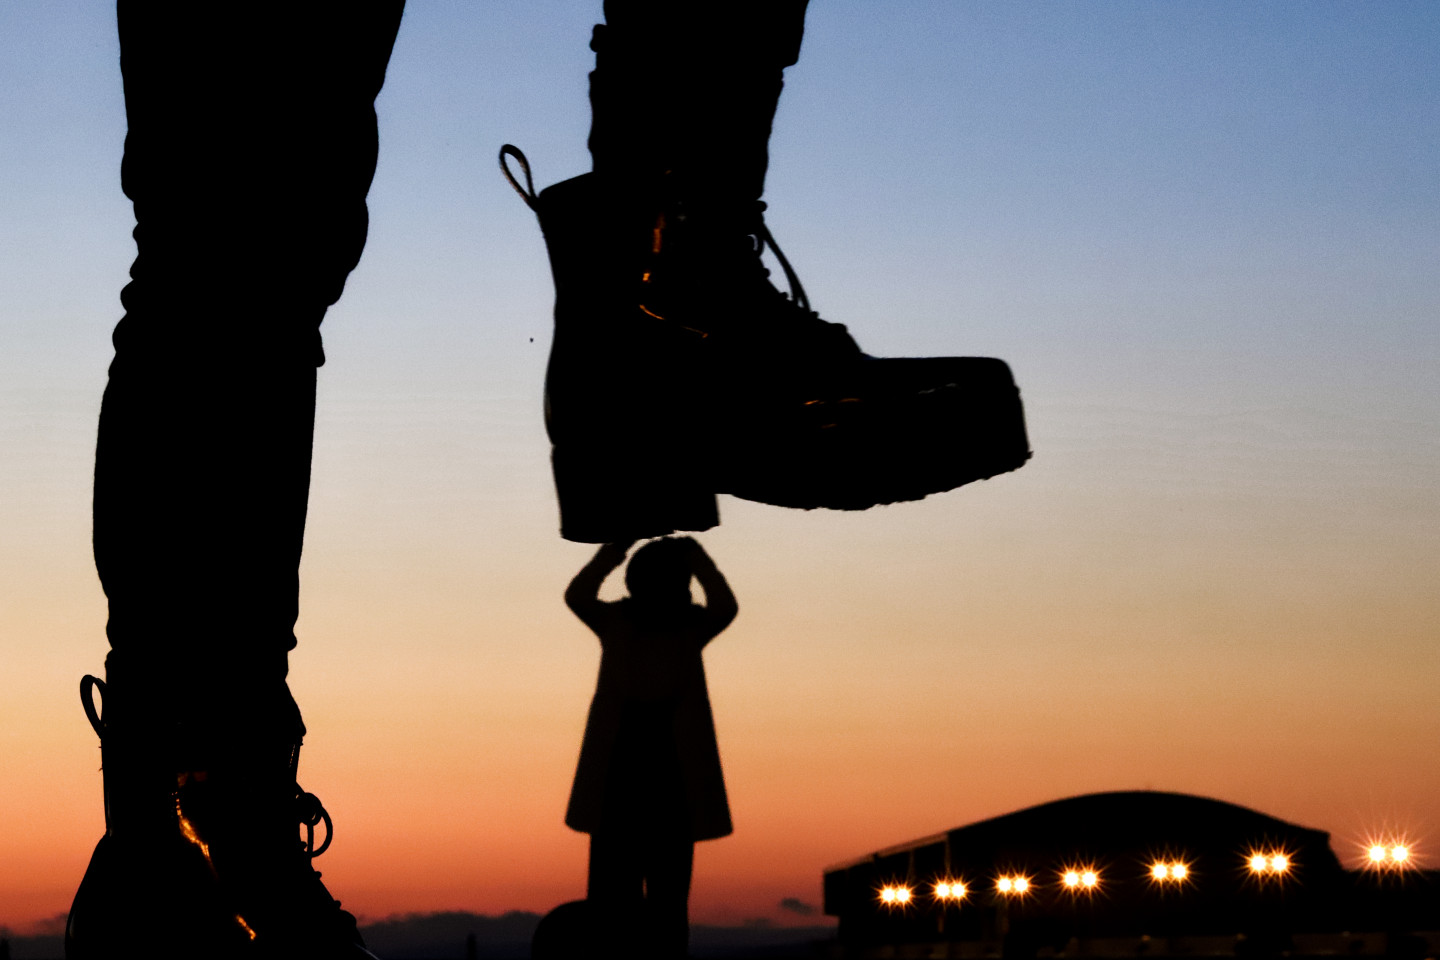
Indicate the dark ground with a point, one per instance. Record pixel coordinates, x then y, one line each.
443 936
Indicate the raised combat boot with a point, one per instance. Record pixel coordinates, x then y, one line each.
678 371
201 859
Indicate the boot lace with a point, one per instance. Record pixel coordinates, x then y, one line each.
764 240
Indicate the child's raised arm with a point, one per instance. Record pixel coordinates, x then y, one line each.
720 604
583 594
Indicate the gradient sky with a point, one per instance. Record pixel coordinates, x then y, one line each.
1205 236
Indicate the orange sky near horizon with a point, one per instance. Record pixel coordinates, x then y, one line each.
965 676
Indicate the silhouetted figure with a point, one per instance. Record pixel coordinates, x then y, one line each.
250 147
649 783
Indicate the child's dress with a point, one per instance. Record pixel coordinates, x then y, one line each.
649 755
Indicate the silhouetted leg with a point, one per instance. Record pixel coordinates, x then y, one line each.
615 886
691 89
250 148
669 861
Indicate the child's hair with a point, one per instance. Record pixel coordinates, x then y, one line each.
659 571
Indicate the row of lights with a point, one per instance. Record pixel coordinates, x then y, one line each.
1261 863
1010 885
1082 879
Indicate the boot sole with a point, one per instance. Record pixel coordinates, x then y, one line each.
915 427
918 427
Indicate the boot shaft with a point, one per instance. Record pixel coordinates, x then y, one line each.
201 847
175 753
689 91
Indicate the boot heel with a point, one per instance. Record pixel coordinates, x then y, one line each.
609 494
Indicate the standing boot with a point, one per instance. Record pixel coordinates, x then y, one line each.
677 369
151 886
201 854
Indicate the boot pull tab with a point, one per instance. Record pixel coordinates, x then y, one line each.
311 814
88 685
527 192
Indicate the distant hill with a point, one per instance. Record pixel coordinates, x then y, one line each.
40 947
443 936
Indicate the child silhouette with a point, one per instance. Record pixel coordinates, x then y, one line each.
649 783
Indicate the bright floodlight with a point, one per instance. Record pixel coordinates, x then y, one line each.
1072 878
1089 879
1174 871
1390 853
895 895
1012 886
1258 863
1279 863
949 890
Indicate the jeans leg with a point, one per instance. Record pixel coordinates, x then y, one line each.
251 146
679 88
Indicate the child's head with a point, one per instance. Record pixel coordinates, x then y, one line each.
659 572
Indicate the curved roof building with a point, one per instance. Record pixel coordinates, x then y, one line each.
1114 874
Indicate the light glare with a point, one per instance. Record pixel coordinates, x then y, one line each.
949 890
1268 862
1394 852
1173 872
1013 886
1080 878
